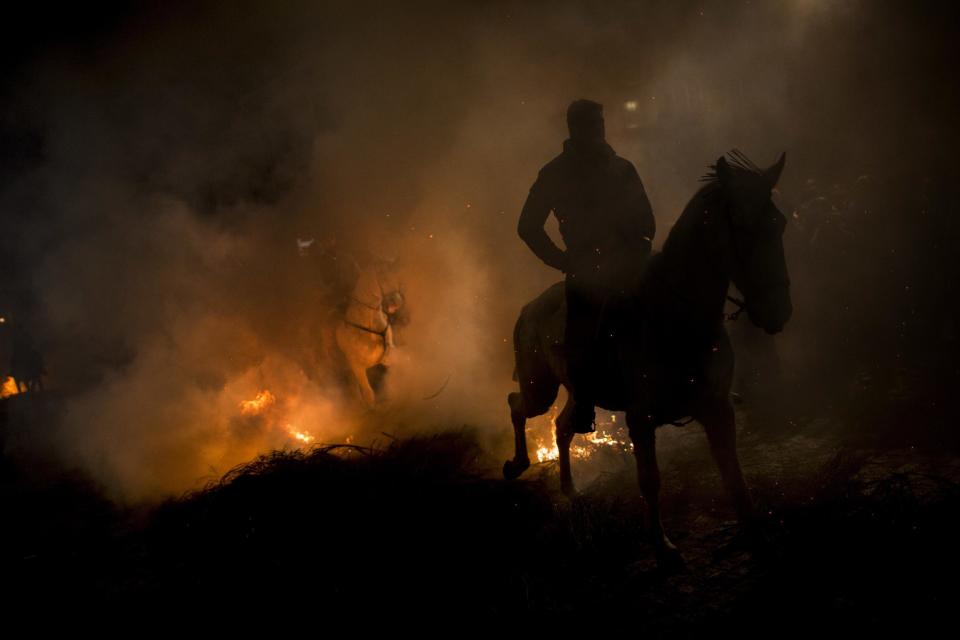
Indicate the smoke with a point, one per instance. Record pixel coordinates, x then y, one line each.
173 158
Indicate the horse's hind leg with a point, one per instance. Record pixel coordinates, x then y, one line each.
643 435
521 459
571 421
719 422
359 373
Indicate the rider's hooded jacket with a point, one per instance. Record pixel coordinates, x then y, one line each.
605 218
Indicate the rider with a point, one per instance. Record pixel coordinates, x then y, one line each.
607 225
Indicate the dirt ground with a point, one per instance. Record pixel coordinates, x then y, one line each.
855 537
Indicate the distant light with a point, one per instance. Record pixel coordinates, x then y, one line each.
630 105
304 245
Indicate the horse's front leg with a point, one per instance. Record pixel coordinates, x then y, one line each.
389 346
643 435
356 351
521 459
719 421
367 393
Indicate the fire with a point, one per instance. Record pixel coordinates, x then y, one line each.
9 388
609 433
302 436
258 405
275 413
545 453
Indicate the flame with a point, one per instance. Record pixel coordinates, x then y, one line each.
302 436
545 453
266 404
9 388
258 405
608 434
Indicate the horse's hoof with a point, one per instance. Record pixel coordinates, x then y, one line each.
669 558
513 469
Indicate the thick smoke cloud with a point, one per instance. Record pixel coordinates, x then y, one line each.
173 159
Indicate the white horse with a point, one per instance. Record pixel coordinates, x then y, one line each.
365 334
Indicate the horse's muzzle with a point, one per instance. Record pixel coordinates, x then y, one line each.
772 312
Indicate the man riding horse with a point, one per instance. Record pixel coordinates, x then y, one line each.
607 226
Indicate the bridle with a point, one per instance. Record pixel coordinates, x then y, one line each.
373 307
768 285
382 334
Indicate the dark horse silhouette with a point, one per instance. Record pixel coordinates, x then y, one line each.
664 351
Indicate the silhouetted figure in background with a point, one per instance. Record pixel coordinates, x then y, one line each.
607 226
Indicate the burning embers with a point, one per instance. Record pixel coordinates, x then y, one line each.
9 388
265 408
302 436
258 405
610 433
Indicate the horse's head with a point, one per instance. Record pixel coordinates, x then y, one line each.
758 267
391 288
392 302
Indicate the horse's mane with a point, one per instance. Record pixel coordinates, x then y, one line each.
709 195
738 162
706 198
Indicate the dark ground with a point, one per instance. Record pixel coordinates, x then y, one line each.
859 539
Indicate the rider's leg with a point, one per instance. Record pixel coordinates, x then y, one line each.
583 313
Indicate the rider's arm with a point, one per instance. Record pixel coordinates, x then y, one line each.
639 212
532 218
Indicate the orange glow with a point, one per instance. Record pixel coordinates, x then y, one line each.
9 388
545 453
302 436
275 413
609 433
258 405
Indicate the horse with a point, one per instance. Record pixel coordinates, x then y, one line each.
665 355
364 335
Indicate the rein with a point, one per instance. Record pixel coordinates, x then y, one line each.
382 334
741 307
364 304
740 304
372 307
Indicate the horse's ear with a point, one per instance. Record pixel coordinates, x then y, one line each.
773 173
723 170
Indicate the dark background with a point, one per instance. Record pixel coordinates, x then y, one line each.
160 159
